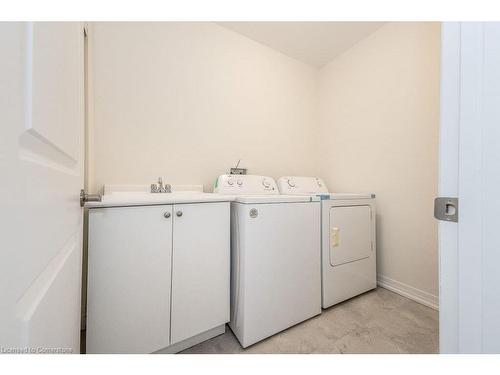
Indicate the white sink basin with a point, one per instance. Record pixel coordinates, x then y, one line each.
146 196
139 196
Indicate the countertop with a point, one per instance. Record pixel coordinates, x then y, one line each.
120 199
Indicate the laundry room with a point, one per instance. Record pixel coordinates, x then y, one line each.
354 106
240 187
243 186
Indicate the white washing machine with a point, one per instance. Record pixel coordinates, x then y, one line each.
275 257
348 246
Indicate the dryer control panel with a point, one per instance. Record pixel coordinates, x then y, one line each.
301 185
245 185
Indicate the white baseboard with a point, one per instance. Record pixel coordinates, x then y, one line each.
408 291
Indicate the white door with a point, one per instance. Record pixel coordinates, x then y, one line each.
200 269
41 169
470 170
129 279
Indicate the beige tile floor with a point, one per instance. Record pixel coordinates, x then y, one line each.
379 321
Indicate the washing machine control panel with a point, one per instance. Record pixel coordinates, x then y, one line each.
301 185
238 184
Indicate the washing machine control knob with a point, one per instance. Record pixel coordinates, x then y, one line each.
266 183
239 182
291 183
230 182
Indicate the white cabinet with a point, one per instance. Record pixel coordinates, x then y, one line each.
200 272
157 275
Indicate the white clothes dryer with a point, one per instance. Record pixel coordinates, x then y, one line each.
348 243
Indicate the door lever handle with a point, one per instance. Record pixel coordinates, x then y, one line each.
84 197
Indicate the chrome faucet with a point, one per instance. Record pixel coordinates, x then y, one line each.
160 188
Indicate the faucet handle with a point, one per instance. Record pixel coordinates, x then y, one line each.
154 188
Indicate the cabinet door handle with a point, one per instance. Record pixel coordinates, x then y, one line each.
166 215
179 213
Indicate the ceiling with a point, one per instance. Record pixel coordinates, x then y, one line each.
314 43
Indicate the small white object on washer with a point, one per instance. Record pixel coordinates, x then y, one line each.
348 246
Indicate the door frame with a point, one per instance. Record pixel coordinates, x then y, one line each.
448 185
463 173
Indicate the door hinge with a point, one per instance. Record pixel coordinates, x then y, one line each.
446 208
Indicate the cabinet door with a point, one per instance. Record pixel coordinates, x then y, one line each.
200 271
129 279
350 234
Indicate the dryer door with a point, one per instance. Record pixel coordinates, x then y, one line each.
350 234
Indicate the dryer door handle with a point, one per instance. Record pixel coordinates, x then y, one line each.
334 242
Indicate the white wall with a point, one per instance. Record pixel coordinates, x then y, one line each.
379 119
187 100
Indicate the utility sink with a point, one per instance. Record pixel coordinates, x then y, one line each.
138 195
